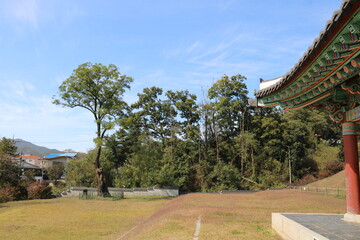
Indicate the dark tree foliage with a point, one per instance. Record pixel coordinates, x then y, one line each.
7 146
10 172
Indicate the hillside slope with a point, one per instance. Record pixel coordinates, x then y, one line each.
28 148
335 181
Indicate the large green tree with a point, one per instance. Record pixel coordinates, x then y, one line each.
98 89
229 97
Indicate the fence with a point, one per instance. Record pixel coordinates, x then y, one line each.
326 190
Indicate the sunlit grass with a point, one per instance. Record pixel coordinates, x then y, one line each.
227 217
72 218
235 216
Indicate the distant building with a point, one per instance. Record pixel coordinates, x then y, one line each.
55 158
34 160
25 166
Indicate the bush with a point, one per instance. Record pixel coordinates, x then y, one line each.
331 168
309 178
58 188
8 193
39 190
11 193
22 193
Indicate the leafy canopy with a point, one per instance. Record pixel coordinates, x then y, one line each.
97 88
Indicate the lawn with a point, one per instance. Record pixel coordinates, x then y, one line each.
223 216
235 216
71 218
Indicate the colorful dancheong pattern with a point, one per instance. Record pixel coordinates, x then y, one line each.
353 114
349 128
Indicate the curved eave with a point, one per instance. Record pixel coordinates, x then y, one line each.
333 27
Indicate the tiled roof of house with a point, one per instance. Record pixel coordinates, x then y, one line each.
29 157
28 165
347 7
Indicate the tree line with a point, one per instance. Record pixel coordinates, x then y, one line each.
207 143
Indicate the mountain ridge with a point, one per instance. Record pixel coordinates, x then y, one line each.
28 148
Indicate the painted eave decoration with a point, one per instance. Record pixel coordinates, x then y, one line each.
332 59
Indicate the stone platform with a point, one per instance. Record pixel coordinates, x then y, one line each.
294 226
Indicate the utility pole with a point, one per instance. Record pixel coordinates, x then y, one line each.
289 165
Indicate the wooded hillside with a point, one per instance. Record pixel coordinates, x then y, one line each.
213 142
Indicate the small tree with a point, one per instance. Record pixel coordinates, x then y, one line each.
9 172
56 171
98 89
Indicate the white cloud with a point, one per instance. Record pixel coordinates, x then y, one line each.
26 11
194 47
15 90
155 76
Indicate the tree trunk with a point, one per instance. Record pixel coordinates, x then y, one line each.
102 190
252 163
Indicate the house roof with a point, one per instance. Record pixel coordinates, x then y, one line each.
29 157
56 155
348 7
28 165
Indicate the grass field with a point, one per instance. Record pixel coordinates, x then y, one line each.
235 216
71 218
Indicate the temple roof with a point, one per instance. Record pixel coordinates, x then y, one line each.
270 82
333 26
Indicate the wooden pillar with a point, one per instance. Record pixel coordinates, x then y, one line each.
351 168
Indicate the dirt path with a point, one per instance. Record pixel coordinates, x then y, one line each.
197 228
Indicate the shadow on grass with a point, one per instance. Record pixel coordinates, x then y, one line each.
339 196
138 199
148 199
3 208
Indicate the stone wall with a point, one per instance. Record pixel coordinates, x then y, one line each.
127 192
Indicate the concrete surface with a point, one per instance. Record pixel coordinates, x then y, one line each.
294 226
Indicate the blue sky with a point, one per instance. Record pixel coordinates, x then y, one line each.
172 44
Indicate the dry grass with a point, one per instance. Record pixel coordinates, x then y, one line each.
335 181
241 216
71 218
236 216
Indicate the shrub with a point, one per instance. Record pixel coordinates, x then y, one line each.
22 193
39 190
11 193
331 168
58 188
7 193
309 178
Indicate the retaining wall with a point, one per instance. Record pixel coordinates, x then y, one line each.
127 192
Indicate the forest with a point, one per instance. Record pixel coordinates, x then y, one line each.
212 142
